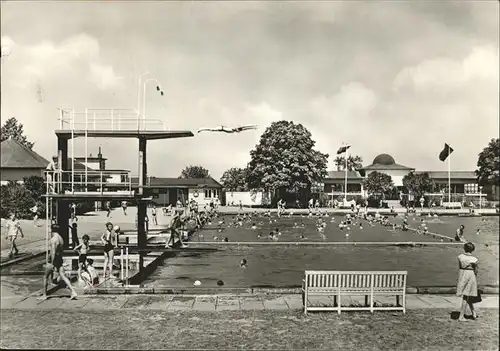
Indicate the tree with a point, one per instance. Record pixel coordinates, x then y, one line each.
36 186
16 199
284 159
488 164
418 184
12 128
194 172
378 183
353 162
234 179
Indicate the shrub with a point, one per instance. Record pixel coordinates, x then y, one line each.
16 198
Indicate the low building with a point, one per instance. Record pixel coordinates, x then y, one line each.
94 170
18 161
463 183
167 191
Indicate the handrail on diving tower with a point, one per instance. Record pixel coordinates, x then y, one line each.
108 120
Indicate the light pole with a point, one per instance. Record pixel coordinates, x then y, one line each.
158 88
480 198
139 81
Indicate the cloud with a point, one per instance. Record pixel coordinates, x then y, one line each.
46 59
429 77
7 46
354 100
449 74
262 115
104 76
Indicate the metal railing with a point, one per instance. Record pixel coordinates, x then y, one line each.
62 182
107 120
124 271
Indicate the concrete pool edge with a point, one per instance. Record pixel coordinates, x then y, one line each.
383 211
140 290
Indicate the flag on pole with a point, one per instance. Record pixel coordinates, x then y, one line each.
443 155
343 149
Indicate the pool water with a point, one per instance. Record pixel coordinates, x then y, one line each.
284 265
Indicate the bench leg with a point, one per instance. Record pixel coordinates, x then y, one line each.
371 302
339 304
404 303
397 301
304 300
366 300
335 302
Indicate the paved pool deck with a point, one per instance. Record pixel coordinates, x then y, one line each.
229 302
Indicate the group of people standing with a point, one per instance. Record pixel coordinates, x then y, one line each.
86 271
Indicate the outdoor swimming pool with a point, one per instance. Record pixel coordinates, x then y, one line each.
284 265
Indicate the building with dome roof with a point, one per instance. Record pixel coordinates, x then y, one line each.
385 163
463 183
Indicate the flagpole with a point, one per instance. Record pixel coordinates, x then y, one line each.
449 174
345 181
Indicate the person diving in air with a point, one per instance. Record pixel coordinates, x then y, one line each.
228 130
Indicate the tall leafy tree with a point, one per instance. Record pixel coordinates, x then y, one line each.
194 172
12 128
418 184
488 163
284 159
378 184
353 162
16 199
234 179
36 186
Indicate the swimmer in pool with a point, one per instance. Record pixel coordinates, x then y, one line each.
243 263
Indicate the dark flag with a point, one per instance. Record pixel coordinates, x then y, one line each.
443 155
343 149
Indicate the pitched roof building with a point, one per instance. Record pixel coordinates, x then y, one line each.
17 161
168 190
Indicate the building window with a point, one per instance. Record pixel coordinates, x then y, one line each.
206 193
471 188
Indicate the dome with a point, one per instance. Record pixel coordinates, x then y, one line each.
384 159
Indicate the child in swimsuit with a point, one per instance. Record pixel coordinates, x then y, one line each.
83 250
153 213
108 239
13 230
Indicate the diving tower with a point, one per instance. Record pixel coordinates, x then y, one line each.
69 185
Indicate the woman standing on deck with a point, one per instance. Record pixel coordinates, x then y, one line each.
467 281
109 241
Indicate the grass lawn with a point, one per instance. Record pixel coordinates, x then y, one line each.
142 329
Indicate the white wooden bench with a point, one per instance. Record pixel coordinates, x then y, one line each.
354 283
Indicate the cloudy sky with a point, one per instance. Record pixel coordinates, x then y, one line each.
388 77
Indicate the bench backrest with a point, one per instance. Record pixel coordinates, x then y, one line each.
356 279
